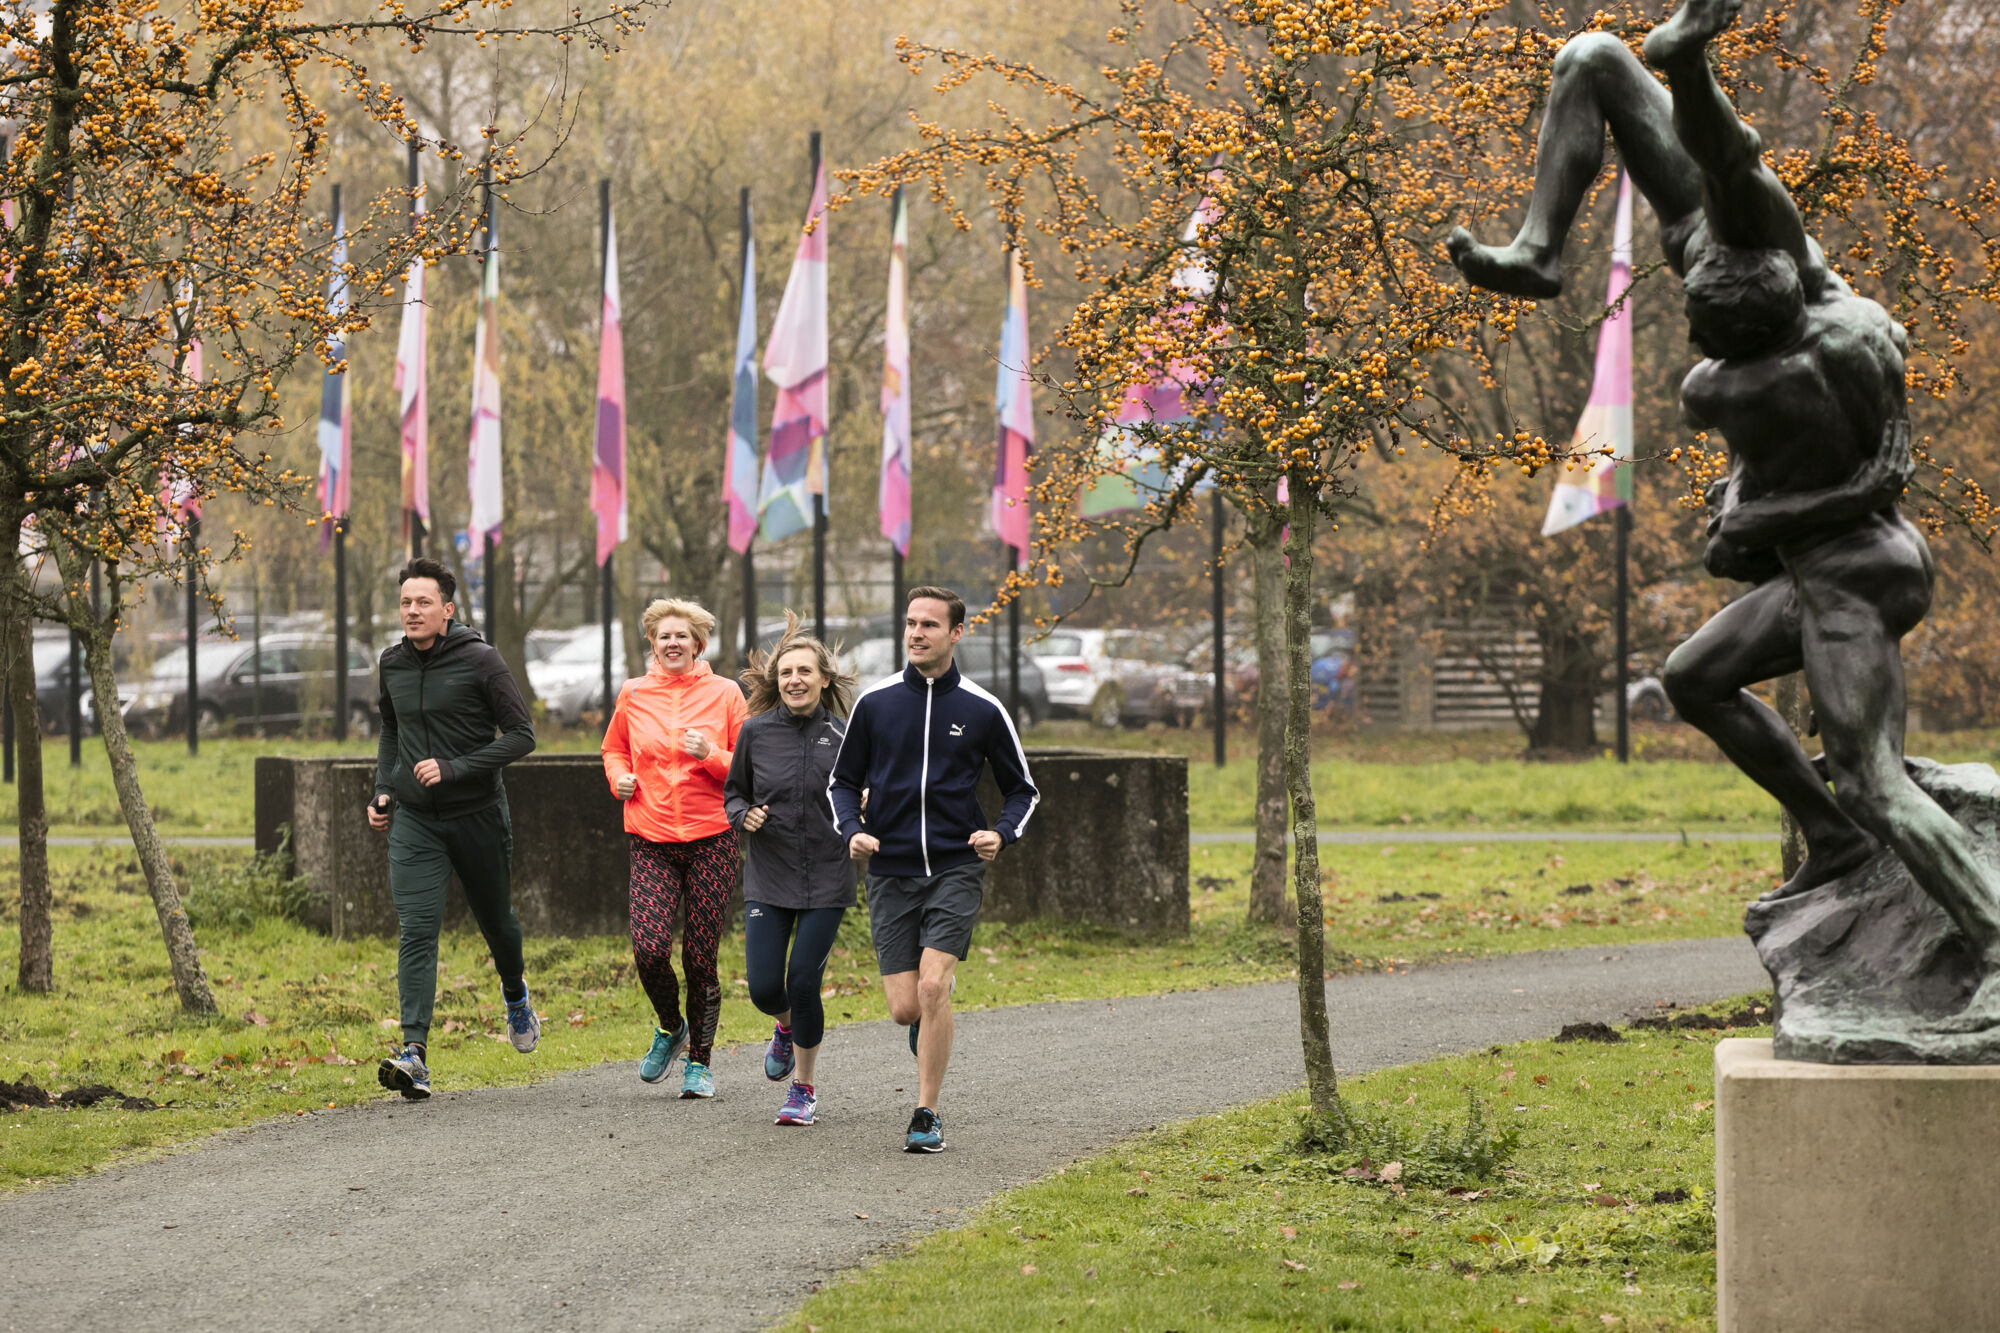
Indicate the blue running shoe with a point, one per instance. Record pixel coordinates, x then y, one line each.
926 1132
800 1105
406 1073
696 1081
524 1025
667 1047
778 1058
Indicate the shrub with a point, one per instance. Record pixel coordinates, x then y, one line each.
236 896
1439 1154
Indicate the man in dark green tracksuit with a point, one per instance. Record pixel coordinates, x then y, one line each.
452 718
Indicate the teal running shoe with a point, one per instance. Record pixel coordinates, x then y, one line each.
800 1105
696 1081
524 1026
926 1132
778 1058
406 1073
667 1047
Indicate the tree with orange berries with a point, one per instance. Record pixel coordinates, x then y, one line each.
1297 317
158 196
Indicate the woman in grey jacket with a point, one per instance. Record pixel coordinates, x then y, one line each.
797 879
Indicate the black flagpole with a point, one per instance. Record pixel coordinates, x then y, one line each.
1623 527
747 561
604 580
417 533
1217 609
339 576
819 495
896 556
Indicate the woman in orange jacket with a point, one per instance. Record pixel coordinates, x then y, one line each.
666 753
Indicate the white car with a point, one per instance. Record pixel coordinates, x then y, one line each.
570 680
1112 676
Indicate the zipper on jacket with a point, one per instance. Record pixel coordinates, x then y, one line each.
924 783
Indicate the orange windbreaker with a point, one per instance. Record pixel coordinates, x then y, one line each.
678 799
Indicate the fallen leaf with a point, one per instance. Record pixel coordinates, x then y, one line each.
578 1018
1293 1264
386 1022
1607 1201
862 1216
1090 1272
256 1019
1138 1191
1391 1171
1027 1270
1699 1107
1358 1173
1520 1300
1350 1286
1210 1175
452 1025
1482 1239
1541 1078
1632 1289
1289 1233
1608 1318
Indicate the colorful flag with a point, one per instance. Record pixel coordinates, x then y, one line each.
739 464
412 375
1167 398
1013 404
894 501
1602 484
796 361
483 461
180 501
336 419
607 465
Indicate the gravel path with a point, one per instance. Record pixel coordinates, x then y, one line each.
595 1201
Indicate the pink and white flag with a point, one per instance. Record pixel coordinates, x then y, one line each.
739 464
336 407
796 361
607 463
894 500
483 465
1605 482
413 390
180 501
1013 404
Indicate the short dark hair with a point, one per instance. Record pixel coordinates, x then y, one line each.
945 595
421 568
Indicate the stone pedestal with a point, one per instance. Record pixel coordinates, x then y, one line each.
1854 1198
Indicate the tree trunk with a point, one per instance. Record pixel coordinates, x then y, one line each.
1566 711
190 980
509 632
1267 861
37 970
1313 1034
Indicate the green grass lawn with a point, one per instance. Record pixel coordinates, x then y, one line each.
298 1007
1601 1220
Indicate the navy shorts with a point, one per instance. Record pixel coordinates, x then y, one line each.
910 914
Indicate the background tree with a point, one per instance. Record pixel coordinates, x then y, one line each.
160 181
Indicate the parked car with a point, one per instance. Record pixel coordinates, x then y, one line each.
982 660
1114 677
51 653
281 684
570 680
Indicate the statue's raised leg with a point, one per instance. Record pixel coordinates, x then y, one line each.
1597 84
1755 639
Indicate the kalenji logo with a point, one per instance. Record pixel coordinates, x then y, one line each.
958 728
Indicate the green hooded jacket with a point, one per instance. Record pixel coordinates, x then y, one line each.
457 704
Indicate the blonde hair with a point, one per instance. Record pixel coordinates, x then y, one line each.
760 679
698 618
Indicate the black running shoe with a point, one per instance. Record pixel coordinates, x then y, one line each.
926 1132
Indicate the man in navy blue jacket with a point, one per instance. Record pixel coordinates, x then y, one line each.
915 745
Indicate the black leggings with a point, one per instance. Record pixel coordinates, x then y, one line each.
776 986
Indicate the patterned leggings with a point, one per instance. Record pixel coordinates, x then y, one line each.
666 876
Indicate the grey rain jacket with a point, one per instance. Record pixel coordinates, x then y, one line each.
796 860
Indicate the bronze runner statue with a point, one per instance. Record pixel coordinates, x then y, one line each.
1804 380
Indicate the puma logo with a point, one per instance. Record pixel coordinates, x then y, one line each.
958 728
